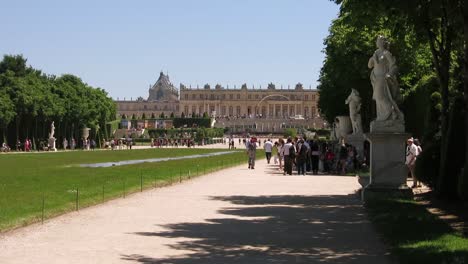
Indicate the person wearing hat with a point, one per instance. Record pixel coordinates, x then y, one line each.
411 153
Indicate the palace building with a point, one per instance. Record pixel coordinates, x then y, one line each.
163 99
270 108
244 102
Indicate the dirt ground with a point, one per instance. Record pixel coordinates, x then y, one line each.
232 216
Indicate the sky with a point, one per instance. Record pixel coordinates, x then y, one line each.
122 46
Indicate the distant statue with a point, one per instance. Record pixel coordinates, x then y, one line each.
386 91
52 130
354 102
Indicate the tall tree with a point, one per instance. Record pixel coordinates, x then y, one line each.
435 23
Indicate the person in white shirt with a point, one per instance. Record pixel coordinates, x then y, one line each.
288 160
268 147
280 153
411 154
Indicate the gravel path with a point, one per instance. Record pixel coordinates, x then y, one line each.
232 216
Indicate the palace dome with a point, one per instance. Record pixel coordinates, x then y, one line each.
163 90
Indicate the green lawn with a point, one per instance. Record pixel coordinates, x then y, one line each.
415 235
32 182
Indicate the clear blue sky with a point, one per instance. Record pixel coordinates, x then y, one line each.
121 46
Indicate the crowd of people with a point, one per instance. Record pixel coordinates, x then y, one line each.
304 155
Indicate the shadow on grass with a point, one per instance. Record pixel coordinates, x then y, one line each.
275 229
416 235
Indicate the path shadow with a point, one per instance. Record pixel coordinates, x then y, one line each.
275 229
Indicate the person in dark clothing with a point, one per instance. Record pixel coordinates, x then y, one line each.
343 157
301 157
315 155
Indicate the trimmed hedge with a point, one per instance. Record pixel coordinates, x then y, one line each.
180 122
197 133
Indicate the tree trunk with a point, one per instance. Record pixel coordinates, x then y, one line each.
464 192
441 50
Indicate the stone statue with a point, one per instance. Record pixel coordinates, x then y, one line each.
354 102
386 91
52 130
51 138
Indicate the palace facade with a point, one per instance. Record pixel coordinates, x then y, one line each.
239 107
244 102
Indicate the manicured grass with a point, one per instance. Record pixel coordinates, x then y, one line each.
415 235
54 182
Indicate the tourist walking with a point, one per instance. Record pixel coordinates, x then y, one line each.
329 157
27 145
315 155
411 154
251 146
281 153
289 153
343 157
65 143
73 144
268 146
301 157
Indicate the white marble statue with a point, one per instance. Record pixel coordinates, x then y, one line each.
354 102
386 90
52 130
51 137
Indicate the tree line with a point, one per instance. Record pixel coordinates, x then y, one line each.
30 100
429 40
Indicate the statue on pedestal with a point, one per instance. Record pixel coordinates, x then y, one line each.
354 102
386 91
51 137
52 130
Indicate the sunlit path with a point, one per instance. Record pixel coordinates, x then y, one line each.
232 216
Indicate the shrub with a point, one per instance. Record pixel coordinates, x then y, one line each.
427 164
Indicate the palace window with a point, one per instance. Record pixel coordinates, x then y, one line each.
231 111
231 96
250 96
201 96
212 97
306 97
312 111
256 96
238 110
193 96
186 97
313 97
238 97
186 109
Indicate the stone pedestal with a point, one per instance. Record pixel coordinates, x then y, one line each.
357 140
52 144
344 126
85 137
387 166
